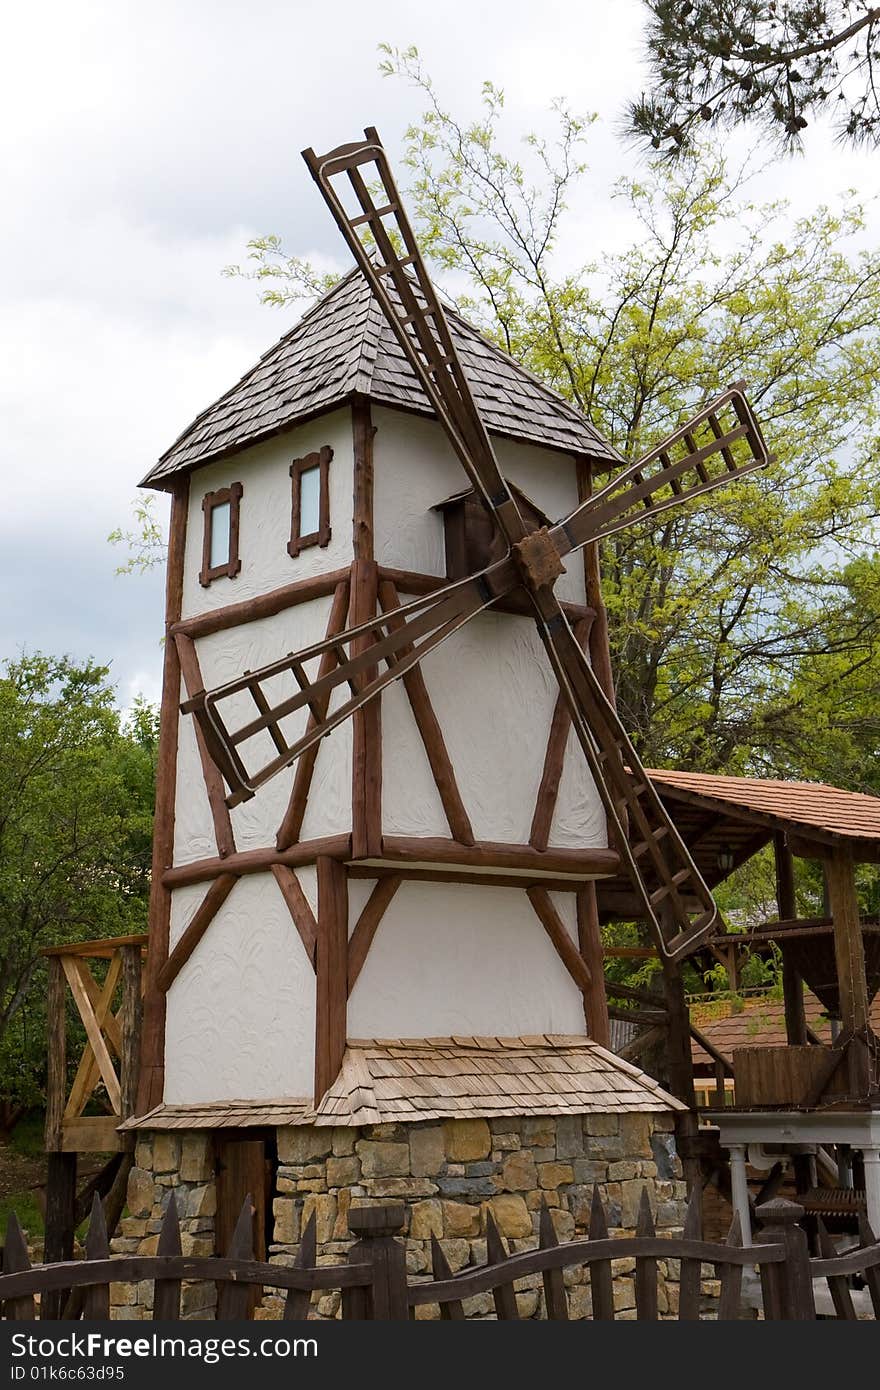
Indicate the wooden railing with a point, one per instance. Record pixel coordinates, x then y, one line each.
107 1072
374 1283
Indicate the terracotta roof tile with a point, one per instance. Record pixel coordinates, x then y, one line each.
759 1023
343 347
815 805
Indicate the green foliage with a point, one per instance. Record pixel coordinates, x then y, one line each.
772 64
282 279
145 542
76 804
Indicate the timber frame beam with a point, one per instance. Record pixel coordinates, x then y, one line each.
331 999
299 908
291 824
554 759
152 1078
192 679
431 734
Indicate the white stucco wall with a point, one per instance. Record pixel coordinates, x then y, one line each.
223 656
241 1013
416 468
465 959
490 684
493 693
447 958
263 472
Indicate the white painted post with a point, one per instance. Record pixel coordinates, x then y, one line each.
871 1160
740 1190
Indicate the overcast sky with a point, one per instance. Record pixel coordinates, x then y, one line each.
142 145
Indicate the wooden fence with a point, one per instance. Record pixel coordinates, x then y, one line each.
374 1283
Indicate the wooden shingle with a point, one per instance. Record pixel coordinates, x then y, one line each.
343 349
446 1078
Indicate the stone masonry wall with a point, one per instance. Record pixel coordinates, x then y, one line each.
448 1174
166 1162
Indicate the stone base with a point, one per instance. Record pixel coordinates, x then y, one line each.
449 1175
166 1163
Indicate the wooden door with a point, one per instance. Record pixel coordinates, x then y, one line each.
242 1167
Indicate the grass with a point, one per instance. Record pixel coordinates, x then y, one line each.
27 1137
26 1208
22 1168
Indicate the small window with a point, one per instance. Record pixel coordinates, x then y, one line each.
310 515
220 542
220 534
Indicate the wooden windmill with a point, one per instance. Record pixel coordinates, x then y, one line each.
263 717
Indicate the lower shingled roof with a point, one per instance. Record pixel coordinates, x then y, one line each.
407 1079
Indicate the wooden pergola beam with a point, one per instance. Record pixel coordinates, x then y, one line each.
849 947
792 984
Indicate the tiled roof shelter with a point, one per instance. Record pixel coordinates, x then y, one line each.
725 820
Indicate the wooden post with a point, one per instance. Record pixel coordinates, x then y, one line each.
792 984
848 945
849 953
787 1287
60 1221
680 1070
366 826
132 1017
152 1070
363 431
56 1060
786 903
331 963
376 1247
590 943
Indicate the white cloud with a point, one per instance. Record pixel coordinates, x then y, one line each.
142 145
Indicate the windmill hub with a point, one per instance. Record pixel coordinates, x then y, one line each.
537 560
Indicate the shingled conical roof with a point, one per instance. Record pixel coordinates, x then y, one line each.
344 348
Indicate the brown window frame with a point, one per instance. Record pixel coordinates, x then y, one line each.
230 569
320 459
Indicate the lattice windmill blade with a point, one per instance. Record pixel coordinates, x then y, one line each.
282 688
646 837
721 443
403 288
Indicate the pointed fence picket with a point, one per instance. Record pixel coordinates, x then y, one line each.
374 1283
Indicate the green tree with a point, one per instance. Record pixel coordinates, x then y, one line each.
731 622
773 64
76 802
